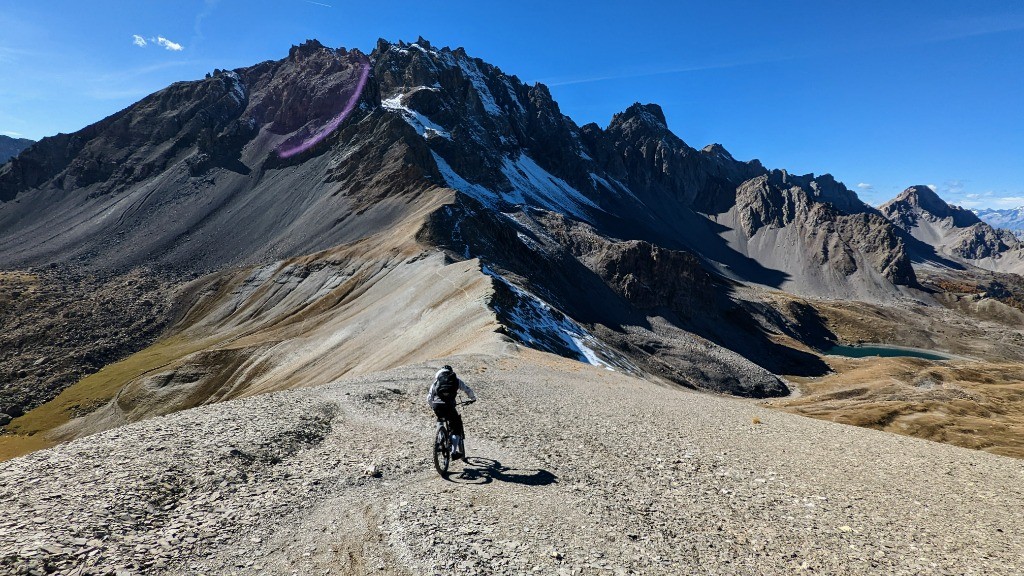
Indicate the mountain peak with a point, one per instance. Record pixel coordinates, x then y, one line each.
921 193
717 151
922 199
1011 219
651 114
308 47
926 199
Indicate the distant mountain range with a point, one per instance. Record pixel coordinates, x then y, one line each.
11 147
1011 219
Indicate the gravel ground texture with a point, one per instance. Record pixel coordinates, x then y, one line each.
572 469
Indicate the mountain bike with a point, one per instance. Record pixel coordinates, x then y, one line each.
443 444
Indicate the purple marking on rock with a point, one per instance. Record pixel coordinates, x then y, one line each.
331 126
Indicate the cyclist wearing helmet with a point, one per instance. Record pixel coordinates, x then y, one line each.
441 399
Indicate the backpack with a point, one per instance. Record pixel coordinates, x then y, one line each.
447 386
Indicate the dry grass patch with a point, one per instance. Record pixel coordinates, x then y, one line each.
971 404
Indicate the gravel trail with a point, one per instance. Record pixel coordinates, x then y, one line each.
572 470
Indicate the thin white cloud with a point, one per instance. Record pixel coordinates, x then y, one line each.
933 187
865 186
139 41
11 133
208 7
1009 201
169 45
960 27
952 187
318 3
674 70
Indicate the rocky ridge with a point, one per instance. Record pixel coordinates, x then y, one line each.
202 192
634 179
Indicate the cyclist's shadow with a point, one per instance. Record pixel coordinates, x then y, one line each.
476 470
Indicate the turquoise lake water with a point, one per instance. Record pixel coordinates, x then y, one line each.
868 350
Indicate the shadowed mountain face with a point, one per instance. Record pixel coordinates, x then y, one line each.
621 246
954 231
11 147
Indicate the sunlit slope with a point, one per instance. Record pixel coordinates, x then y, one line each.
372 305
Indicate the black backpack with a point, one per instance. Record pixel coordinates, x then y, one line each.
447 386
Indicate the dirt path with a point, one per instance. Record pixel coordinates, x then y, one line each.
572 470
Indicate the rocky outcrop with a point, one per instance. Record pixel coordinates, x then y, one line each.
507 140
133 145
694 193
637 148
833 238
507 144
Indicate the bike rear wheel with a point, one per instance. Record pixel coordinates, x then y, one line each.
442 451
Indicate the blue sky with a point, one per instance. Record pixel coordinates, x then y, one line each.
881 94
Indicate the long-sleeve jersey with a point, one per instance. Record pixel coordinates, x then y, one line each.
432 395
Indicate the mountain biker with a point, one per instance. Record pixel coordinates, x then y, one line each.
441 399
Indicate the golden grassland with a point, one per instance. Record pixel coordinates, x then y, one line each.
29 432
976 401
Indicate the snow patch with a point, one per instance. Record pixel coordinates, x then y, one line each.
453 180
512 94
529 242
531 185
615 187
424 126
599 181
536 184
476 78
238 92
